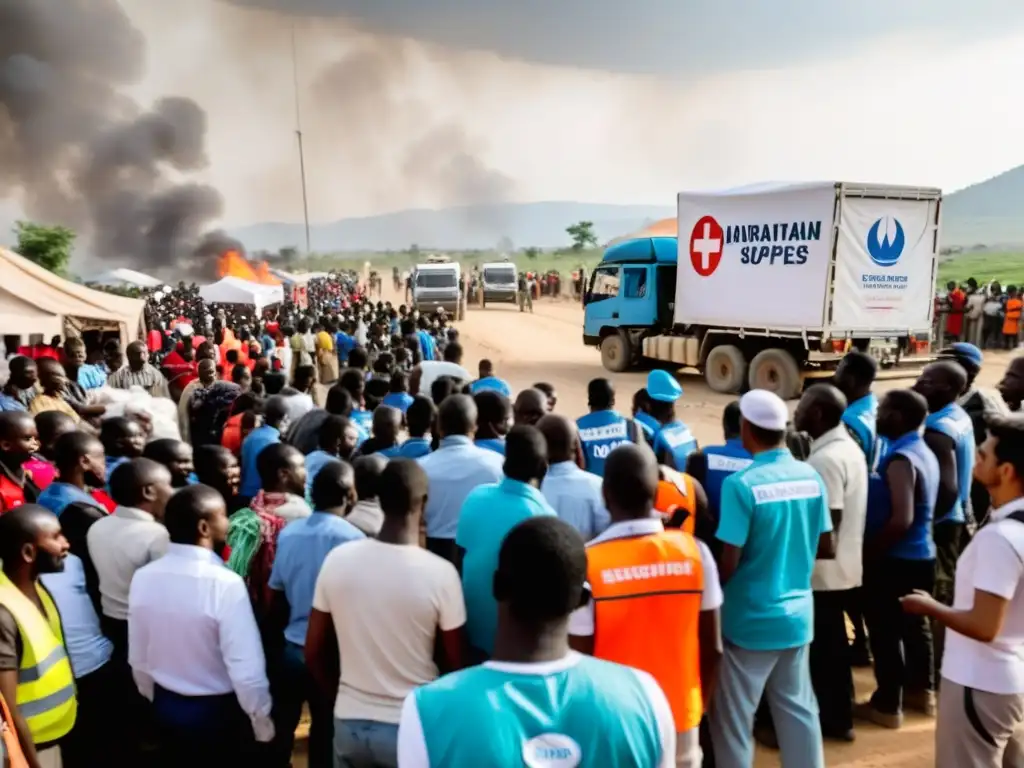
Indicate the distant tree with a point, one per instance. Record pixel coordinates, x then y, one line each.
582 234
289 254
414 249
531 252
505 244
49 247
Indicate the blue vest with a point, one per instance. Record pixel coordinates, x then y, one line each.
492 444
594 713
722 461
917 543
954 422
363 420
675 438
601 432
860 417
649 425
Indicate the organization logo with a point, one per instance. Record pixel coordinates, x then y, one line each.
886 241
706 241
552 750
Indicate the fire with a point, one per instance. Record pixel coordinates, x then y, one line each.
234 264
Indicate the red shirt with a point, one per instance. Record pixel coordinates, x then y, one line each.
12 495
181 370
955 322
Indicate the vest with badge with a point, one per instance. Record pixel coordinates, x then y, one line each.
954 422
675 439
722 461
601 432
647 594
46 685
593 713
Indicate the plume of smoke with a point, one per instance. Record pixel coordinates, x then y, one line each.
74 150
402 138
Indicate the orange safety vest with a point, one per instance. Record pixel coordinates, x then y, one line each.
1011 325
675 494
647 595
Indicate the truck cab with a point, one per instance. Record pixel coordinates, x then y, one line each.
437 284
498 282
632 289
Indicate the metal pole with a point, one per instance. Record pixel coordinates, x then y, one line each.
298 135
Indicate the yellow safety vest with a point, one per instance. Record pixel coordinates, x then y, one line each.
46 685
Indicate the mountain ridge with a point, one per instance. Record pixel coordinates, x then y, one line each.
989 213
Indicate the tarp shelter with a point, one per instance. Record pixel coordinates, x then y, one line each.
234 290
120 277
289 277
35 300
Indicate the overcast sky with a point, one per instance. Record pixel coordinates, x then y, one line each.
589 99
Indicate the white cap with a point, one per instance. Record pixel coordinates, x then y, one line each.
764 409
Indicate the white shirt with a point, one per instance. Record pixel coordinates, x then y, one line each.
993 562
432 370
840 462
412 746
581 621
119 545
191 630
387 603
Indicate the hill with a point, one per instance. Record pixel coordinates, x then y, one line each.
463 228
989 213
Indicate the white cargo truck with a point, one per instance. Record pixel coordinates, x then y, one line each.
766 285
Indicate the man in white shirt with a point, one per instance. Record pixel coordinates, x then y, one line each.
427 372
981 699
130 538
195 649
840 462
383 628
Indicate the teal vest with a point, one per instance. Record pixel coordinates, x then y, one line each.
595 714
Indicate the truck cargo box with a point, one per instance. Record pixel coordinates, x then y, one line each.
825 258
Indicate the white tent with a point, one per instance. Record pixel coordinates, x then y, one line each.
34 300
234 290
124 277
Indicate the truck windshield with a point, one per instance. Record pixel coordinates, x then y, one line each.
499 276
605 284
435 279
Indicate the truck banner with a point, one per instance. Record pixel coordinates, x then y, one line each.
884 256
755 259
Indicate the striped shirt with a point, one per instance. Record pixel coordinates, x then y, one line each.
149 378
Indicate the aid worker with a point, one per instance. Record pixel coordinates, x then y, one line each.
35 673
604 428
712 464
775 523
647 582
674 441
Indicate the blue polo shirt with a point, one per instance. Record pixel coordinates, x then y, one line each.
487 515
257 440
316 461
414 448
491 384
302 547
775 510
495 444
453 471
399 400
860 417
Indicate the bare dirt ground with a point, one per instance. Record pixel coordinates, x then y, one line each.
548 346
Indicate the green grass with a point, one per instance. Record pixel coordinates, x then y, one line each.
982 265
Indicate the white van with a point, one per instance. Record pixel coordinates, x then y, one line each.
437 285
499 282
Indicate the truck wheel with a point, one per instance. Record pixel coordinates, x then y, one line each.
725 370
616 353
777 371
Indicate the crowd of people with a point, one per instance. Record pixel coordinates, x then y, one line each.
444 572
988 316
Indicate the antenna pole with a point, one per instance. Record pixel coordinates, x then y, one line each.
298 135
